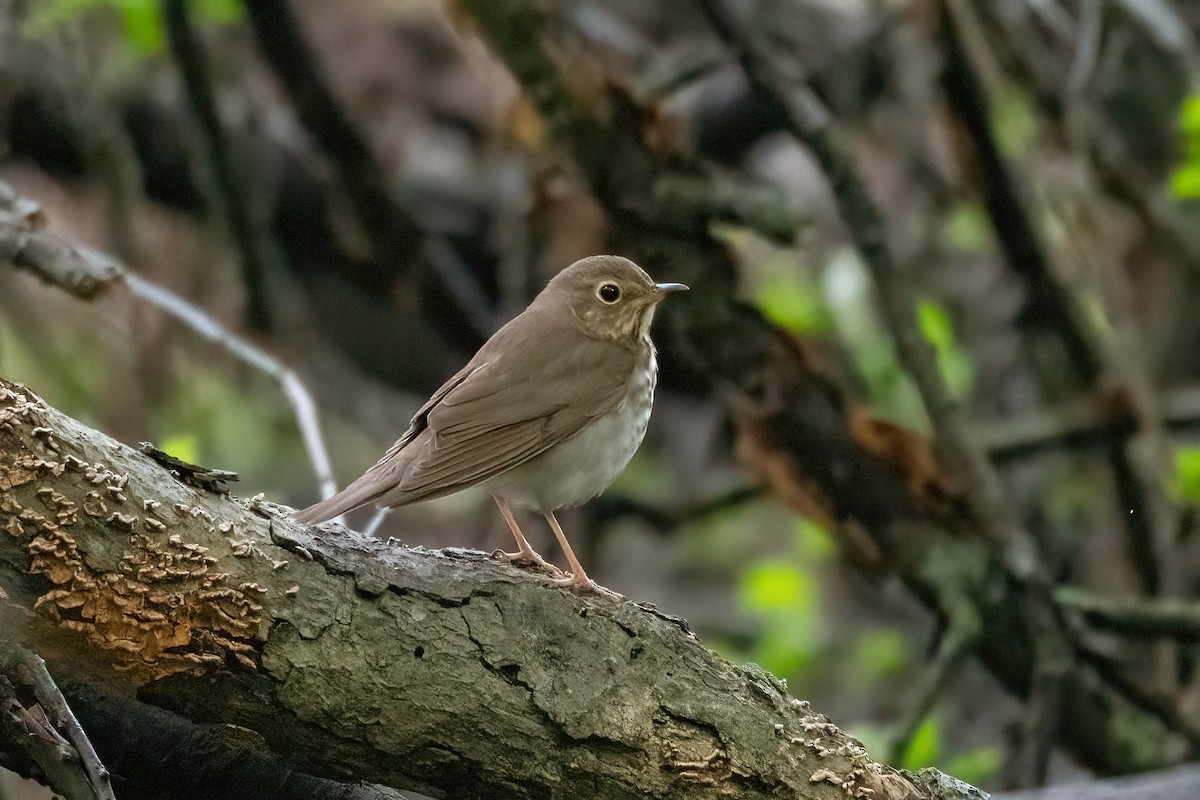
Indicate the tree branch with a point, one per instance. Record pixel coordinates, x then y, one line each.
1141 618
47 730
396 241
290 57
440 671
88 274
806 119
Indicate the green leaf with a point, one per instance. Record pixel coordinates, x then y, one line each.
141 20
1185 181
1189 115
1185 483
184 446
954 363
143 25
776 585
925 746
794 304
1013 122
935 323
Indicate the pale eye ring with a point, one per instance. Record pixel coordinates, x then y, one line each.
609 293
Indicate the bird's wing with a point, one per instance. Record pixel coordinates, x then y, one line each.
384 476
520 400
519 396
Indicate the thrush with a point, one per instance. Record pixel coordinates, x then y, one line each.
545 416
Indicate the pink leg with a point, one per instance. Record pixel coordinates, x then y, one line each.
578 579
525 554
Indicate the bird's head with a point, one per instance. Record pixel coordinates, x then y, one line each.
612 297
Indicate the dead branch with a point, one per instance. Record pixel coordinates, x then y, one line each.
45 730
88 274
441 671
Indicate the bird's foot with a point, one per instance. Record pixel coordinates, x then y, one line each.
528 558
582 584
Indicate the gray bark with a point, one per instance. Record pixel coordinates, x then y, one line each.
445 672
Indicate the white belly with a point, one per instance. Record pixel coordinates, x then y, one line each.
583 466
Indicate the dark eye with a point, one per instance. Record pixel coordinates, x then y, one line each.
609 292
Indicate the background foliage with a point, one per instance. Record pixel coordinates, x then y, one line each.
1095 120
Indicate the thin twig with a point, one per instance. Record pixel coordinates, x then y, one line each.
68 762
60 714
1161 707
1082 424
611 508
293 388
764 209
87 274
193 65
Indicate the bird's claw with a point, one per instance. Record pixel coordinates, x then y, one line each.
528 559
585 585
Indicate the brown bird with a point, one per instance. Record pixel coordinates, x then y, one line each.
546 415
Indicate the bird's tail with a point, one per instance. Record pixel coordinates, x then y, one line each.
362 491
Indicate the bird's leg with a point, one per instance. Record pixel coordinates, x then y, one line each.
525 554
578 579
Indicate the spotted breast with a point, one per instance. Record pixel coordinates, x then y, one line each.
554 479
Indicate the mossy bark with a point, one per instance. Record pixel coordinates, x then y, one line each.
446 672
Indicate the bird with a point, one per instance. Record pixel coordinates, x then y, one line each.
545 416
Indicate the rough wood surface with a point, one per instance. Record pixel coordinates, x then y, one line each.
445 672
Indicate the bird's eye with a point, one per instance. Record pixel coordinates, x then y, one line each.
609 293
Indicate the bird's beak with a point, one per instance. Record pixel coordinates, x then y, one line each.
661 290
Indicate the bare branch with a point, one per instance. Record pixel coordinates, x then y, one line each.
395 239
48 731
87 274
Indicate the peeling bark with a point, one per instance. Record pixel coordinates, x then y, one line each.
445 672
